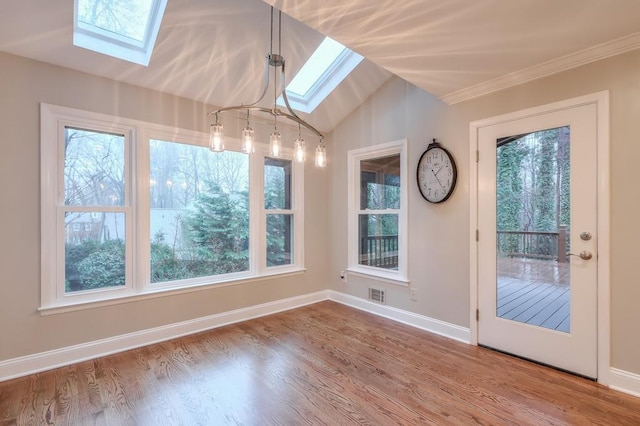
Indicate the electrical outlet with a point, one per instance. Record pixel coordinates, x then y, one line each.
343 276
413 297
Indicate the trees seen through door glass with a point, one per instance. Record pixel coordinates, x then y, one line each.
533 223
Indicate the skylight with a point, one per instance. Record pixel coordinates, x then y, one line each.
125 29
325 69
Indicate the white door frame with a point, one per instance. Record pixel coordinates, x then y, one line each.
601 100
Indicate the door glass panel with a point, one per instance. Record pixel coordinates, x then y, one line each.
533 223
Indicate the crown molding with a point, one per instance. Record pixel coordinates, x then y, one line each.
573 60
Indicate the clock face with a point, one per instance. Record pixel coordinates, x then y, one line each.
436 175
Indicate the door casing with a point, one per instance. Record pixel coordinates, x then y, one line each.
601 100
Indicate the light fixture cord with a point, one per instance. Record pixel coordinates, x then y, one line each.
271 34
275 100
279 32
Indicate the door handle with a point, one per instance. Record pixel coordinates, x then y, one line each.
584 255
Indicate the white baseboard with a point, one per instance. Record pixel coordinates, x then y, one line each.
30 364
619 379
624 381
422 322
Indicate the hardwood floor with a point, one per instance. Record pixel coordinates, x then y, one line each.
321 364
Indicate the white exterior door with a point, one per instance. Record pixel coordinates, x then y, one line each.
537 259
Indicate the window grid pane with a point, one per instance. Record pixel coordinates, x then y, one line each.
277 184
94 250
279 239
380 183
94 164
378 240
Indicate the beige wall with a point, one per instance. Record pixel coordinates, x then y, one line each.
439 246
439 234
24 84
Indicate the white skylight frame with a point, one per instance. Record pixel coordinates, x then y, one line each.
120 46
342 61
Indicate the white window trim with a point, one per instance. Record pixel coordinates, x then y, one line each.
354 157
54 119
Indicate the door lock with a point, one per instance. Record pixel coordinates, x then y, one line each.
584 255
585 236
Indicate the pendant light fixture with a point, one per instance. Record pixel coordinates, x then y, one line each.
276 61
216 137
299 153
247 138
321 156
275 143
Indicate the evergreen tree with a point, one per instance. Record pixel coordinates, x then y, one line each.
510 186
545 189
218 227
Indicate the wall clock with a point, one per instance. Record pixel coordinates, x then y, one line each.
436 173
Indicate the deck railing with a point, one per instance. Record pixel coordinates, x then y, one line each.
379 251
535 245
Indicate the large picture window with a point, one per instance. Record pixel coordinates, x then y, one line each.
199 211
130 208
377 213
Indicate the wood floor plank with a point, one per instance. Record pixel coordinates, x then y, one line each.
321 364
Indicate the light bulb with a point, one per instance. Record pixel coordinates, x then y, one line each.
299 152
321 156
247 140
276 143
216 138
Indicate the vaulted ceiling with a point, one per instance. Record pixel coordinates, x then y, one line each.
213 50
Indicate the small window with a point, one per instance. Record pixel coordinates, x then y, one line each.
377 217
95 219
324 71
122 29
279 213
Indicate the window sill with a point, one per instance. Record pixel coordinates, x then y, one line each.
151 293
378 277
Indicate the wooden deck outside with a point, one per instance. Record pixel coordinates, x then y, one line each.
534 292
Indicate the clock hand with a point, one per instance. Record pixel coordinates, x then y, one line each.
436 173
436 176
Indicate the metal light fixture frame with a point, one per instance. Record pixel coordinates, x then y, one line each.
275 60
